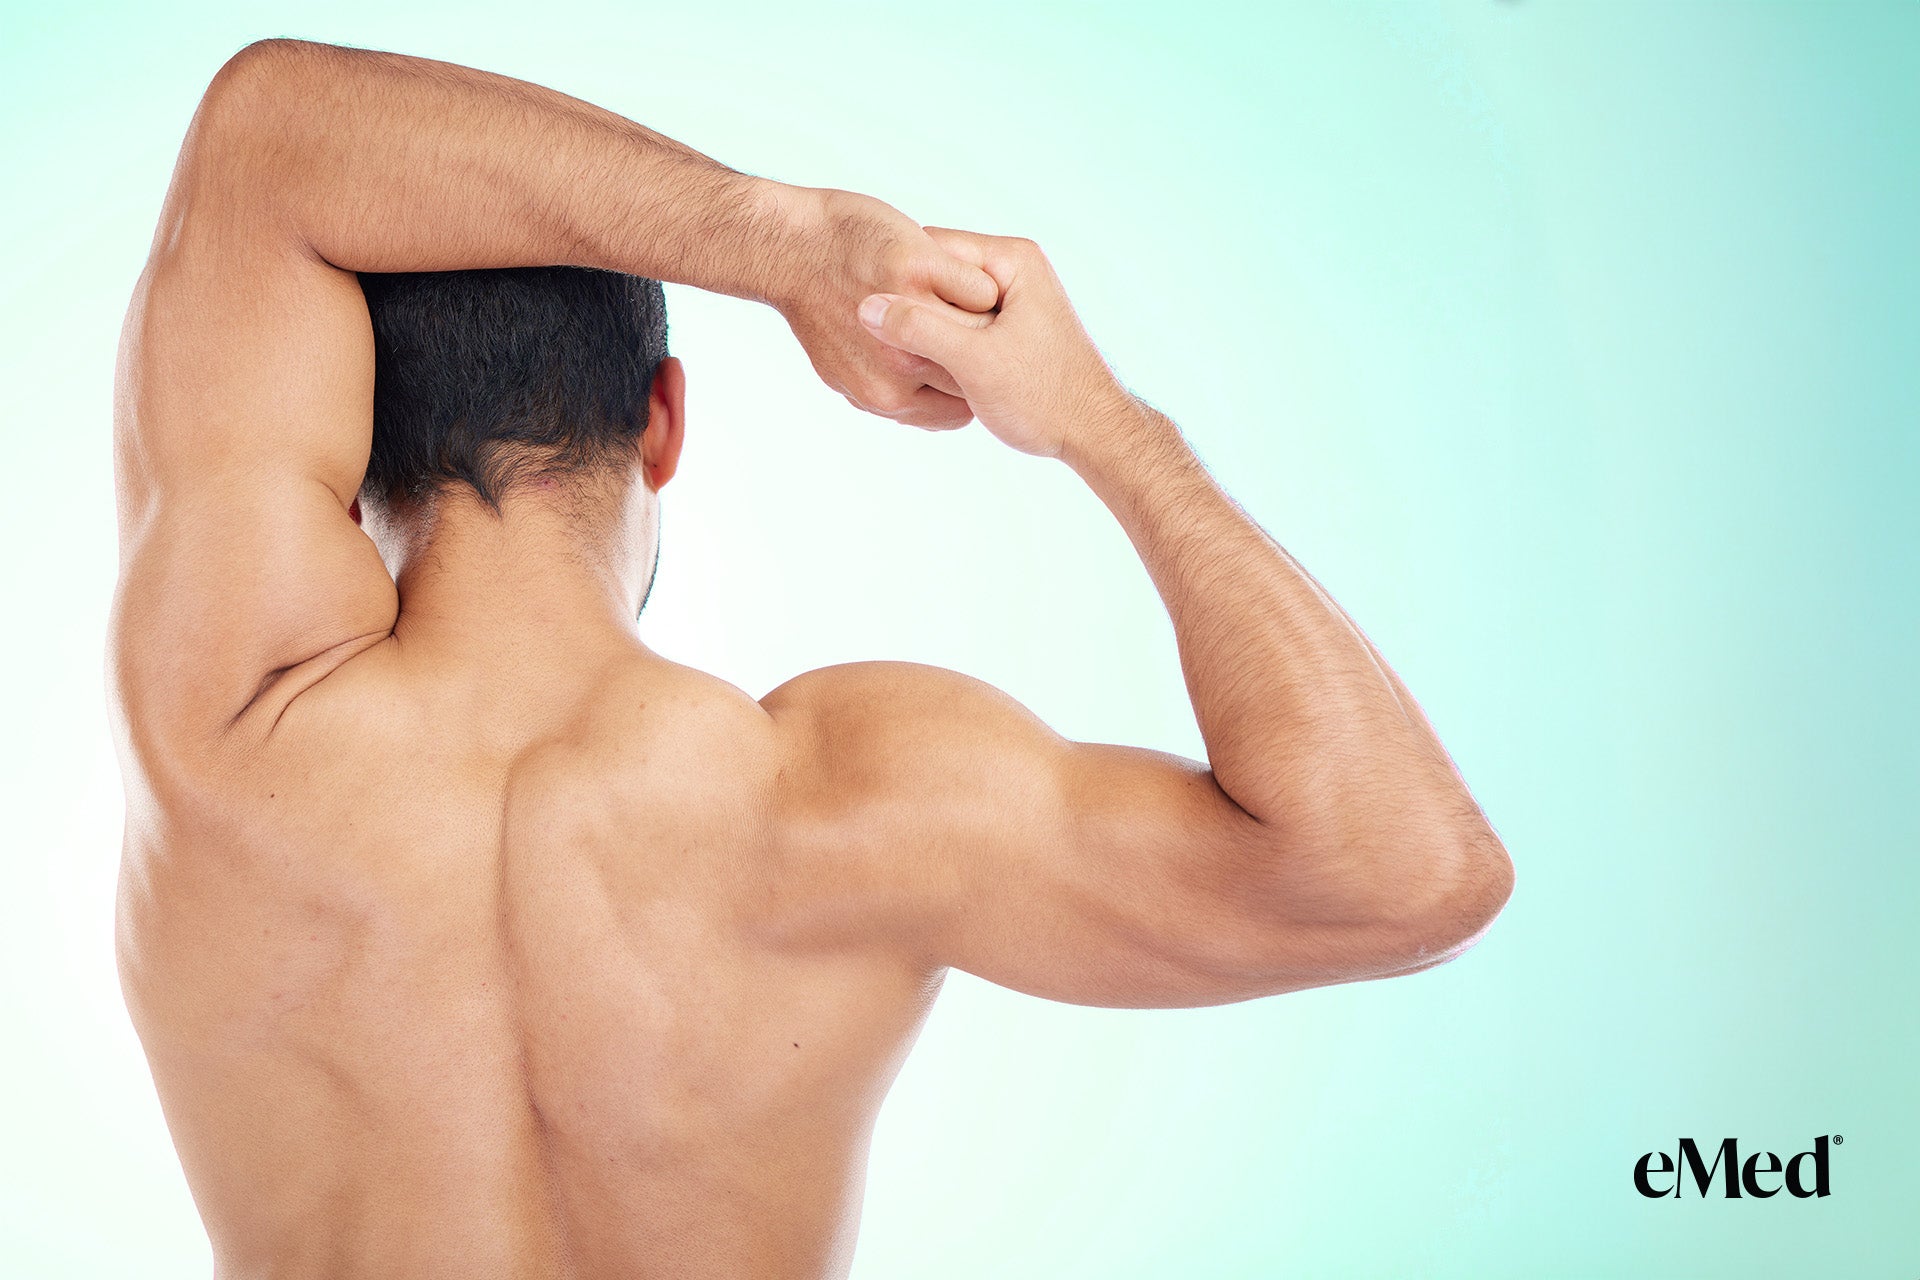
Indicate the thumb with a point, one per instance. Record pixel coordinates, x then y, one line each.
943 334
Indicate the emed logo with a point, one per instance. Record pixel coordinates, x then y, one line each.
1737 1176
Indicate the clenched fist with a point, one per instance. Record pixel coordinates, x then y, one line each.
1029 371
848 247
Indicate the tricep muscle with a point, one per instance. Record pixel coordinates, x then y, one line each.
243 418
951 822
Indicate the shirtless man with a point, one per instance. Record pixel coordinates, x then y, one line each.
466 936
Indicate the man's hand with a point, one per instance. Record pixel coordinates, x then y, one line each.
852 246
1030 372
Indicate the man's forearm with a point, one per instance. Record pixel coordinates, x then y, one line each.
1306 726
380 162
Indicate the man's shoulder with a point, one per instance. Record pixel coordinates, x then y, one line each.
854 695
877 746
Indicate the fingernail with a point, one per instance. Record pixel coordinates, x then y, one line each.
873 312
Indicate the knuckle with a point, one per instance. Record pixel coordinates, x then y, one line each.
891 401
928 420
899 260
938 411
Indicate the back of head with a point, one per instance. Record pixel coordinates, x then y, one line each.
492 378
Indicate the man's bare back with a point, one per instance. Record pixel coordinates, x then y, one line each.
468 937
498 977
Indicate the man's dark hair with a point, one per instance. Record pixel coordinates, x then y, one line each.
490 378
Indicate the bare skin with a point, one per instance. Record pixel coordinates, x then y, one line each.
468 937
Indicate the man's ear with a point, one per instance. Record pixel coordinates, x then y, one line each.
666 423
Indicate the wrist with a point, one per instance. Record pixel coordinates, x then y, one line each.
1120 437
781 221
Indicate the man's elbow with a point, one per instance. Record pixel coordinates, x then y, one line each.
1395 900
248 76
1460 890
1374 904
238 150
249 99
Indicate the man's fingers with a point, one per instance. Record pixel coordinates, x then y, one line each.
936 407
965 284
969 247
914 370
995 255
934 411
942 334
939 379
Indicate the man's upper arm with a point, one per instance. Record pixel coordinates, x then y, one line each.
942 817
242 426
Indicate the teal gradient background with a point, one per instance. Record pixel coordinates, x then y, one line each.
1572 347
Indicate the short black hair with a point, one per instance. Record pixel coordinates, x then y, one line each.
489 378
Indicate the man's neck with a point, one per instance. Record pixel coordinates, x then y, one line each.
539 574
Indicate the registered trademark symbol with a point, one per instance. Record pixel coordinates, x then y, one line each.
1837 1139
